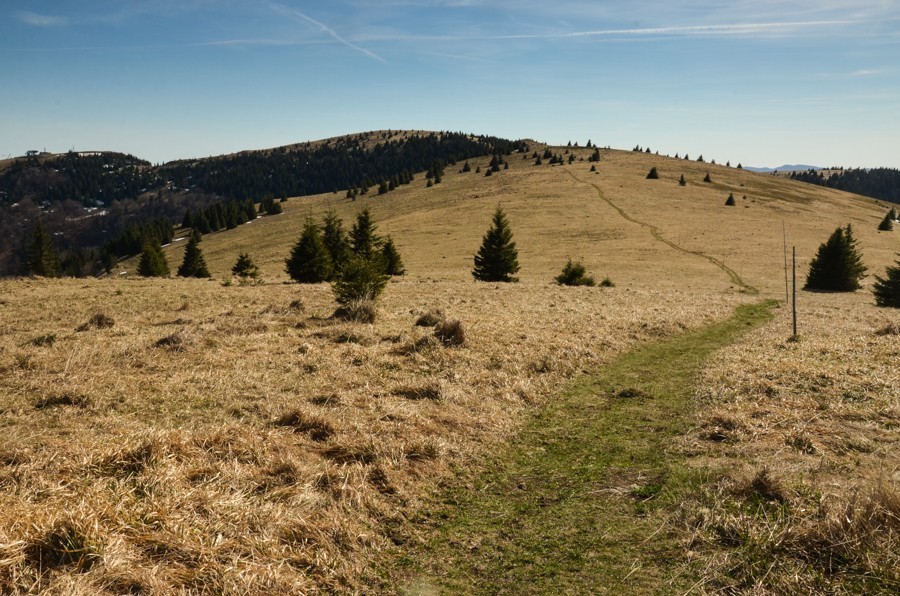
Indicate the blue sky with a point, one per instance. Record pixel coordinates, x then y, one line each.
761 82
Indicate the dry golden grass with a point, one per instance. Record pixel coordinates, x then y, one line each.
806 436
264 446
179 435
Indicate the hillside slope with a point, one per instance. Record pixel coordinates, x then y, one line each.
558 212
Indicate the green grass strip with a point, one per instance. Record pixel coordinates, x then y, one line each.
578 501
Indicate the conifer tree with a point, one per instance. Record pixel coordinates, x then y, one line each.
887 289
887 224
364 240
729 202
653 174
707 178
244 267
193 265
393 264
682 181
335 239
309 262
837 265
361 279
41 257
153 263
497 259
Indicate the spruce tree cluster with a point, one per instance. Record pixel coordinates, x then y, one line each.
193 265
837 265
322 254
887 289
497 259
131 241
224 215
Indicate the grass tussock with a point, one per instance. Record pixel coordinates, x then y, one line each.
97 321
174 342
450 333
432 390
43 341
892 328
64 544
430 318
76 400
316 427
357 311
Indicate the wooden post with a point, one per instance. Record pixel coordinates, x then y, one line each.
787 297
795 291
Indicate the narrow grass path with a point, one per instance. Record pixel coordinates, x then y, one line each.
579 501
732 275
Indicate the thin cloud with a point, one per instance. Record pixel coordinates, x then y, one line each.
737 29
324 28
40 20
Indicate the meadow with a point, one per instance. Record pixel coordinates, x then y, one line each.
169 435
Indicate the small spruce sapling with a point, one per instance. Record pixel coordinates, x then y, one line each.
574 274
245 268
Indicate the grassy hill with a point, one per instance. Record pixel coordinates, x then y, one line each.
166 435
559 212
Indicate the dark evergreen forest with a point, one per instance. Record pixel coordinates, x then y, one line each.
878 183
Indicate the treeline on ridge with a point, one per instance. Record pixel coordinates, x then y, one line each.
342 164
101 207
878 183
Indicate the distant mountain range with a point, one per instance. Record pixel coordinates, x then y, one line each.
784 168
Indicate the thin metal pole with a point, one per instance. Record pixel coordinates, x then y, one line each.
795 291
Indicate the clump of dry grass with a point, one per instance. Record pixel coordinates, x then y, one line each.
77 400
174 342
450 332
66 543
432 390
357 311
430 318
316 427
41 341
97 321
892 328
